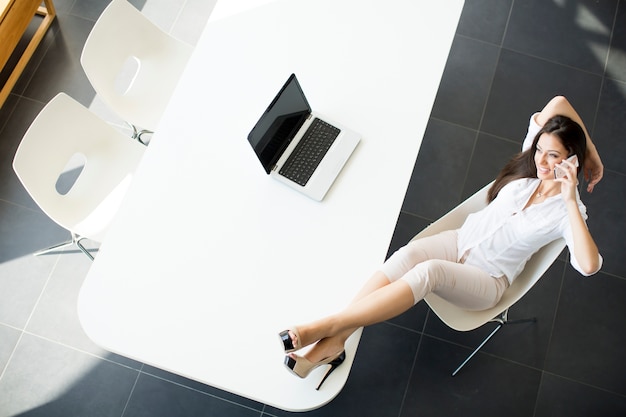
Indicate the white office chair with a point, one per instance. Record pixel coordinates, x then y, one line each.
125 47
63 130
464 320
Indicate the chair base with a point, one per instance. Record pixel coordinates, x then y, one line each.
75 241
502 319
136 135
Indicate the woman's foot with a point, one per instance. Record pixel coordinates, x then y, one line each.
290 339
295 338
302 367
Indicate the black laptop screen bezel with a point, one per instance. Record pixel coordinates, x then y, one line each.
280 122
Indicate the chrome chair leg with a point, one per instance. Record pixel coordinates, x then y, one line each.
136 135
82 248
143 132
501 320
55 247
75 240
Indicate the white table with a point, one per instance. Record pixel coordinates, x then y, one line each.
208 258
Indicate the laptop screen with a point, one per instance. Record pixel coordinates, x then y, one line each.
279 123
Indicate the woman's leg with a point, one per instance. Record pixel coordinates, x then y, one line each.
466 286
380 299
383 303
316 331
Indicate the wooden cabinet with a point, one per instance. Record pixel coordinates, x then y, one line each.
15 16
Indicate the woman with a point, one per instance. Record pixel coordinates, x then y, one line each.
472 266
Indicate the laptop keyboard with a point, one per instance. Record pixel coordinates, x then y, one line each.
309 152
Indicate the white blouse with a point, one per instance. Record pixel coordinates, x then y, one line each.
504 235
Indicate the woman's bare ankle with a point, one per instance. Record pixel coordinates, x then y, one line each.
311 333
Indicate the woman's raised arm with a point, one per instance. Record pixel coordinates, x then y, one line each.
593 168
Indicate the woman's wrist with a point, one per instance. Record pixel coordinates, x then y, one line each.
572 206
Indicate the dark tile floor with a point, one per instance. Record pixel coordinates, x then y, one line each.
508 58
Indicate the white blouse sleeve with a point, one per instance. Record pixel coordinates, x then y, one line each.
533 129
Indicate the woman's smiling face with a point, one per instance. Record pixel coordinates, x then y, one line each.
548 153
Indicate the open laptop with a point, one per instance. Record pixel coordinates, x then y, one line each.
299 147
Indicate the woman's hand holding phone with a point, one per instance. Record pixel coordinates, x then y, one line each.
560 172
566 174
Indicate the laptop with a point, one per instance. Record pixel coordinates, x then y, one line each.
299 147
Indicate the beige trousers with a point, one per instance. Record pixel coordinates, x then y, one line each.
430 265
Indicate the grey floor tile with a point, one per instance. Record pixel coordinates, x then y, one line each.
6 112
490 155
588 337
438 177
22 280
163 13
485 20
583 26
18 119
491 387
63 6
192 19
201 388
47 379
559 397
523 85
616 66
60 70
465 82
607 223
610 125
407 226
9 337
31 230
414 318
55 316
154 397
88 9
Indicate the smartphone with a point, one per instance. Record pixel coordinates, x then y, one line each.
559 173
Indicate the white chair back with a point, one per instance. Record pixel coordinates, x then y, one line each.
123 35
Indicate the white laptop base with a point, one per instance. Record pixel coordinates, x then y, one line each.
330 166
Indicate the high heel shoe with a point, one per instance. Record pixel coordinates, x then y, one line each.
288 342
302 367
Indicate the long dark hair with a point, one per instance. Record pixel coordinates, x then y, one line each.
523 165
